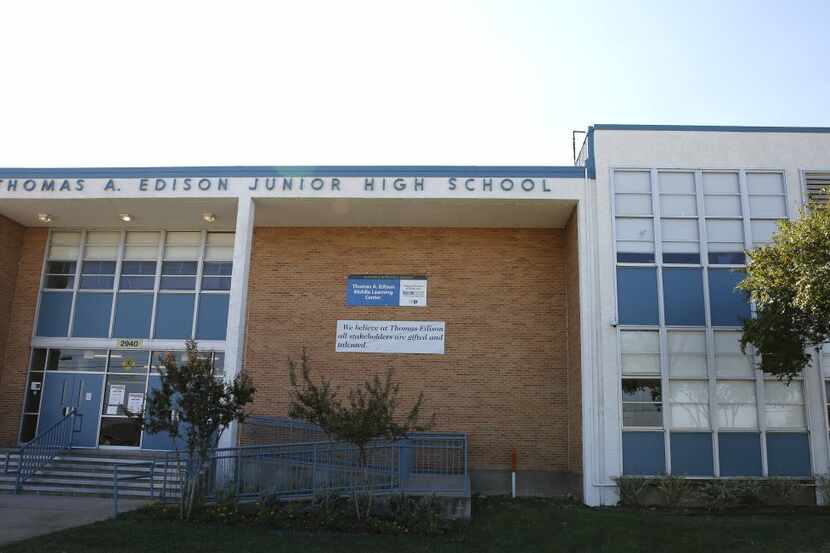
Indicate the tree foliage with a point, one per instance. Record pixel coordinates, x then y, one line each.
789 281
369 413
194 405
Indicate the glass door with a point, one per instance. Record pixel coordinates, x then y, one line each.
124 398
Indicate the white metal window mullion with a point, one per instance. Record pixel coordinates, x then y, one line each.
759 376
709 334
199 269
157 281
117 283
822 379
77 283
662 335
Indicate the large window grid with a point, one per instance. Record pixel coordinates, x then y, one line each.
109 284
702 222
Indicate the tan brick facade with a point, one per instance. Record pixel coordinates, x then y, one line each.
504 294
23 249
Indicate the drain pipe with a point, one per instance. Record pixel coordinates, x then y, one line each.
513 462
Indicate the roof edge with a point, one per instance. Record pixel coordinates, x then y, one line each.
530 171
708 128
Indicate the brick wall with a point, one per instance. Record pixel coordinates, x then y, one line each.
502 292
574 347
23 249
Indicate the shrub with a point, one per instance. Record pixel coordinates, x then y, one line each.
632 490
780 491
673 490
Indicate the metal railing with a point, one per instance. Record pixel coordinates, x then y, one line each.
116 480
43 449
433 463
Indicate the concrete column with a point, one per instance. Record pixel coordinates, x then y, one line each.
237 307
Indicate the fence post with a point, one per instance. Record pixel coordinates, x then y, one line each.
164 482
153 479
466 472
115 491
314 470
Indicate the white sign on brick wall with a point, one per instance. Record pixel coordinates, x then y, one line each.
391 336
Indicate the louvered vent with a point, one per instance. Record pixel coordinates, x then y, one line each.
818 186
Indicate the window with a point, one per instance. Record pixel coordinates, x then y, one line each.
642 402
767 205
724 225
784 407
60 275
142 246
138 275
634 225
687 354
730 362
729 306
637 295
178 275
640 352
678 212
689 404
683 296
736 404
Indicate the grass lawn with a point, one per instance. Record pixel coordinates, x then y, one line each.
498 525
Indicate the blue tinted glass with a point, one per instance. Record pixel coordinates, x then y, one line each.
623 257
178 268
644 453
60 282
174 316
691 454
217 269
727 258
178 282
53 317
61 267
637 295
138 268
97 282
92 315
788 454
681 258
98 268
132 316
683 296
216 283
739 453
213 317
130 282
729 306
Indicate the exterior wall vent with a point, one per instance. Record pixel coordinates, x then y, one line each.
817 184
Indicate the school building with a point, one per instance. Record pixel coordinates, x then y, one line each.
585 316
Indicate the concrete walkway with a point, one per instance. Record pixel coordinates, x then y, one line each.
27 516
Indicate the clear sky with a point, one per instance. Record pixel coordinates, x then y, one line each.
387 82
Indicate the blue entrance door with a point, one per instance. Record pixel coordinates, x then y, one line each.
63 391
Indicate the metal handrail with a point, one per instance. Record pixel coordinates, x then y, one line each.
44 447
116 479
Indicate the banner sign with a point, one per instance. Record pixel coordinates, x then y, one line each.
390 337
386 291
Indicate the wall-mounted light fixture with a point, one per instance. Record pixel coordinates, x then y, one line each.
44 217
126 217
209 217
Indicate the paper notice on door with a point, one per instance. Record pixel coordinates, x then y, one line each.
112 409
117 394
135 402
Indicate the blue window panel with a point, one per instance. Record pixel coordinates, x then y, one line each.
729 306
788 454
174 316
637 295
644 453
92 315
691 454
132 316
53 318
161 440
212 323
683 296
739 453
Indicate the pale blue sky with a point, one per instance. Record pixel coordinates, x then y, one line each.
382 82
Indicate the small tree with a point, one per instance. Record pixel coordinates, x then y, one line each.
369 414
194 405
789 281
